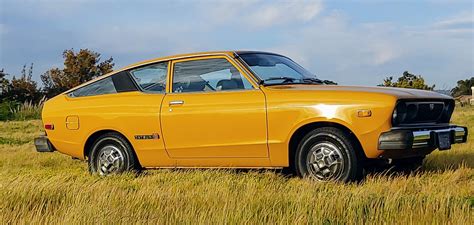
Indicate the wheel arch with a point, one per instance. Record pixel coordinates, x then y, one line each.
94 136
299 133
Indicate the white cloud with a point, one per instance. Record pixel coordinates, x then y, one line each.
210 17
333 38
460 25
126 39
327 42
463 19
262 14
467 21
383 52
284 13
221 12
337 49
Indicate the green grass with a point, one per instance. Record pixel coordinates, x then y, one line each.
53 188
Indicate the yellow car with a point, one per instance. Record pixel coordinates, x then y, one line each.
243 109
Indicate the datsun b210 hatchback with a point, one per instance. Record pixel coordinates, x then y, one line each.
243 109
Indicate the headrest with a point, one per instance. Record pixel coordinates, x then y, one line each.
227 85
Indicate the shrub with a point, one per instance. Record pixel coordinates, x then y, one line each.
6 110
28 110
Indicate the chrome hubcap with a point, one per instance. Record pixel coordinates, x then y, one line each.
110 160
325 161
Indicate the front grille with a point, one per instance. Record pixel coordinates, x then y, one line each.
423 112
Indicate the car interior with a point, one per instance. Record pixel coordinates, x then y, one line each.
220 76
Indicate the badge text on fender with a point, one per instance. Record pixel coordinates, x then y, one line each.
147 136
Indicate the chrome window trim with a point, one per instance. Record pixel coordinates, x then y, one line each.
255 85
148 63
140 89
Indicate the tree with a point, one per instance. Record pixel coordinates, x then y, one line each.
407 80
23 89
463 87
78 68
3 83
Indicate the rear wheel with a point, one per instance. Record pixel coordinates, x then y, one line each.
326 154
112 154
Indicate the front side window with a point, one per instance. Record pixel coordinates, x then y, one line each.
151 78
277 69
206 75
100 87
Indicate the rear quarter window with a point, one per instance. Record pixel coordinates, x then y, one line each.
123 82
100 87
151 78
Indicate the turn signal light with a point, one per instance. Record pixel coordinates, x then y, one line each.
364 113
49 126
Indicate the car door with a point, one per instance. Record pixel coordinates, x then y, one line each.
213 111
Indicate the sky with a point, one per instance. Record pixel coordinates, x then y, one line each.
350 42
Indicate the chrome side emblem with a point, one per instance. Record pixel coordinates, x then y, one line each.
147 136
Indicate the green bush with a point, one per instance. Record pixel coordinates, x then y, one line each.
6 110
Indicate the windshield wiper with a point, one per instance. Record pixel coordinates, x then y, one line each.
285 79
313 80
292 80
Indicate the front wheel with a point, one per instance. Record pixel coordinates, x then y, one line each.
111 154
326 154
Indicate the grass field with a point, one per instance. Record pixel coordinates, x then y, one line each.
53 188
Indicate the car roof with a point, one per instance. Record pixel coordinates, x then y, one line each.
166 58
187 55
178 56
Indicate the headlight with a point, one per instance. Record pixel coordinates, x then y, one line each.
399 114
412 112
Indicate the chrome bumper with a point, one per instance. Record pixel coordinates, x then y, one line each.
43 144
408 139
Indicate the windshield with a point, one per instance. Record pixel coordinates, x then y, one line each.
275 69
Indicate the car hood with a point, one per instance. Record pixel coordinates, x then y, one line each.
400 93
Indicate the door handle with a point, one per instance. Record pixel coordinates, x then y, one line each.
177 102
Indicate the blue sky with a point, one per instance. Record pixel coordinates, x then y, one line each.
350 42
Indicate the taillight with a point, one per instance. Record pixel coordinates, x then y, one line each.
49 126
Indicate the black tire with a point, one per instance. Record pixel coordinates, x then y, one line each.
112 146
312 158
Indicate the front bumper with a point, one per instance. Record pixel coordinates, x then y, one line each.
401 139
43 144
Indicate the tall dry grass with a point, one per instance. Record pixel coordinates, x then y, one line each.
28 110
52 188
